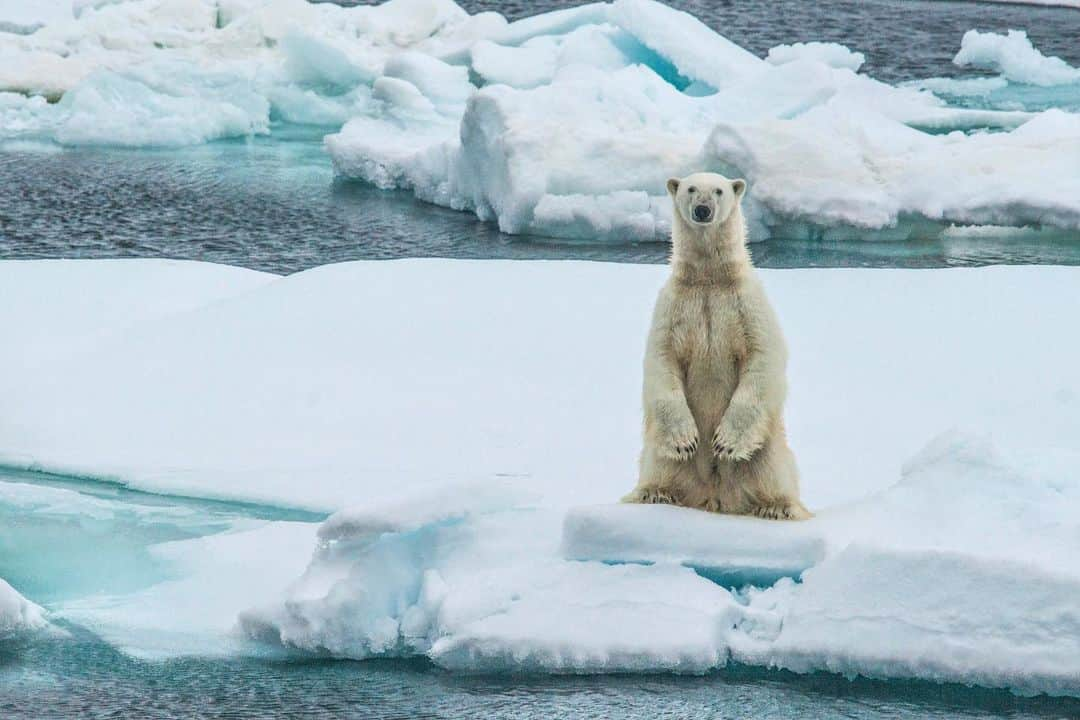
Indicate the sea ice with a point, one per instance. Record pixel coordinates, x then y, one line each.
496 546
1014 57
732 551
17 614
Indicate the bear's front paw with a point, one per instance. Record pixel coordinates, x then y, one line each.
726 445
681 443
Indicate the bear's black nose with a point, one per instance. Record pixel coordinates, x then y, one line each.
702 213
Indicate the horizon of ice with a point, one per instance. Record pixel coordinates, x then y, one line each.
468 112
497 547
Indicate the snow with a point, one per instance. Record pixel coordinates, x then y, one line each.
831 54
483 536
17 614
740 551
470 111
22 17
1014 57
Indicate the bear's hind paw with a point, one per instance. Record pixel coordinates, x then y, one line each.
651 496
782 511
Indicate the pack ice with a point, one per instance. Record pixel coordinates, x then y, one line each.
470 494
566 123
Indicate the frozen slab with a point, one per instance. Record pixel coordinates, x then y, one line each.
451 503
1014 57
17 614
934 615
729 550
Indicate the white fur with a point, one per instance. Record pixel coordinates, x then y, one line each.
714 385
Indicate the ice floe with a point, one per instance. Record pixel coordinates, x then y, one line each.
1014 57
471 491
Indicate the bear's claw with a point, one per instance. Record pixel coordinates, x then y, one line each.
683 449
782 511
651 496
725 449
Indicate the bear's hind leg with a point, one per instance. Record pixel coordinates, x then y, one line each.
652 496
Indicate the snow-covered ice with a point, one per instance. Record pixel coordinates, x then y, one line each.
482 536
469 111
738 551
1014 57
17 614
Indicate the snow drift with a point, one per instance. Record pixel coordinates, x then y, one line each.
566 123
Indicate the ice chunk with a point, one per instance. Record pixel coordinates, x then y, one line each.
556 22
488 592
173 104
934 615
696 52
23 18
726 549
1014 57
862 170
831 54
17 614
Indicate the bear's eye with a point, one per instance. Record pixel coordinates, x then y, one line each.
692 189
719 191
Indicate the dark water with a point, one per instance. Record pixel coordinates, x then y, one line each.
81 677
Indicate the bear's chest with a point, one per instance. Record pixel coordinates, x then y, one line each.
708 328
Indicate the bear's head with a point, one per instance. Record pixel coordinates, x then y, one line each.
705 199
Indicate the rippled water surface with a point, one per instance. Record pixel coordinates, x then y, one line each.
82 677
272 203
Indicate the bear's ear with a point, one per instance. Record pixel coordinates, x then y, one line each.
739 186
673 186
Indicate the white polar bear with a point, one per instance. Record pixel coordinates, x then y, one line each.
714 369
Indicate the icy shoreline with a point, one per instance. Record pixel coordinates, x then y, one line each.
473 489
470 112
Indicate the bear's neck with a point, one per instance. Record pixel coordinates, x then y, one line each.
713 255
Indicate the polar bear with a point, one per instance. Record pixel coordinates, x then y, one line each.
715 358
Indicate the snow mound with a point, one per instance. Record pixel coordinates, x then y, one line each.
935 615
831 54
1014 57
728 550
452 592
17 614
